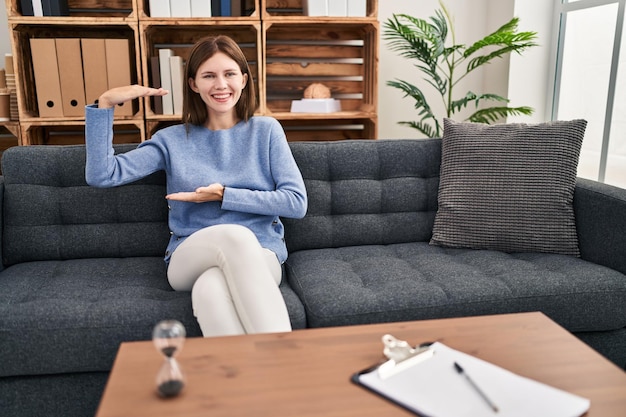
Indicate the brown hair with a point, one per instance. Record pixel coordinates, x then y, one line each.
194 109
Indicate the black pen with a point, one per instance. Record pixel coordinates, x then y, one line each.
461 371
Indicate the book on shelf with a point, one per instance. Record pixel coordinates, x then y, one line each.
37 6
178 75
201 8
26 8
357 8
155 82
236 8
55 8
166 79
315 7
225 8
159 8
216 8
338 8
180 8
44 8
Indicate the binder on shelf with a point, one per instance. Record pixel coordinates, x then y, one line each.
46 71
159 8
180 8
26 7
201 8
118 70
236 8
70 63
357 8
166 79
315 7
338 8
216 8
55 8
225 8
94 68
155 81
178 75
37 7
438 381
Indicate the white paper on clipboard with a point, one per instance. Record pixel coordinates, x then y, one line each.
433 388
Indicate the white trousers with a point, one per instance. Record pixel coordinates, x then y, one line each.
233 281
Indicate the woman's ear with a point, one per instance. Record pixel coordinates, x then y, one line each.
192 84
245 80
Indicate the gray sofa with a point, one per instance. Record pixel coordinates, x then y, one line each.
82 267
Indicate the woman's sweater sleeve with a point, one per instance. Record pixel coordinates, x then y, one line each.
105 169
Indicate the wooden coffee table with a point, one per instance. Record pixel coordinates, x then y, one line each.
307 372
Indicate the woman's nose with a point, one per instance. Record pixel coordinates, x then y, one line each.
220 81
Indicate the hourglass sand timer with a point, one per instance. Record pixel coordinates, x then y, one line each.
168 337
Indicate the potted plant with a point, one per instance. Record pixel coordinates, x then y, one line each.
444 65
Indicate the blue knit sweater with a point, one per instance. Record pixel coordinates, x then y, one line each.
252 159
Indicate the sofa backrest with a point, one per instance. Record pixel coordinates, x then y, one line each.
364 192
49 211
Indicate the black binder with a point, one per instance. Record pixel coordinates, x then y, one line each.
55 8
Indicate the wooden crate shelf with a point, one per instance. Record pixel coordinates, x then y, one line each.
97 9
9 137
328 128
73 132
342 56
252 8
287 51
23 32
293 9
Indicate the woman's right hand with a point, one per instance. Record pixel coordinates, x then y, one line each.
119 95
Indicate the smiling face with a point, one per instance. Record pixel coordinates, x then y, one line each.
219 82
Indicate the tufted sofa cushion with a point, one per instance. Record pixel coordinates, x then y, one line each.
366 192
417 281
50 213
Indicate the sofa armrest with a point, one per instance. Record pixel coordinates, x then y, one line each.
600 211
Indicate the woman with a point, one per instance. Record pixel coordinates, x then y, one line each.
229 177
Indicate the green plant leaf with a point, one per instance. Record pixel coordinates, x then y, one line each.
471 97
426 129
421 104
506 39
494 114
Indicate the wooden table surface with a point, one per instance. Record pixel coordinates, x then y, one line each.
307 372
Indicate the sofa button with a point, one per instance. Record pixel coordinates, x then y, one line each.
167 253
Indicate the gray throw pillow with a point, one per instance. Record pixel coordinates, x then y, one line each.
509 187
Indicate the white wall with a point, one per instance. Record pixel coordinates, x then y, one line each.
5 43
531 75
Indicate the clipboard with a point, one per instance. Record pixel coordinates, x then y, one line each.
425 381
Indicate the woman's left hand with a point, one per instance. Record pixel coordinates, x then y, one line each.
213 192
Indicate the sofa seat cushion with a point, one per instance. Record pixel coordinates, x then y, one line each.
415 281
84 309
